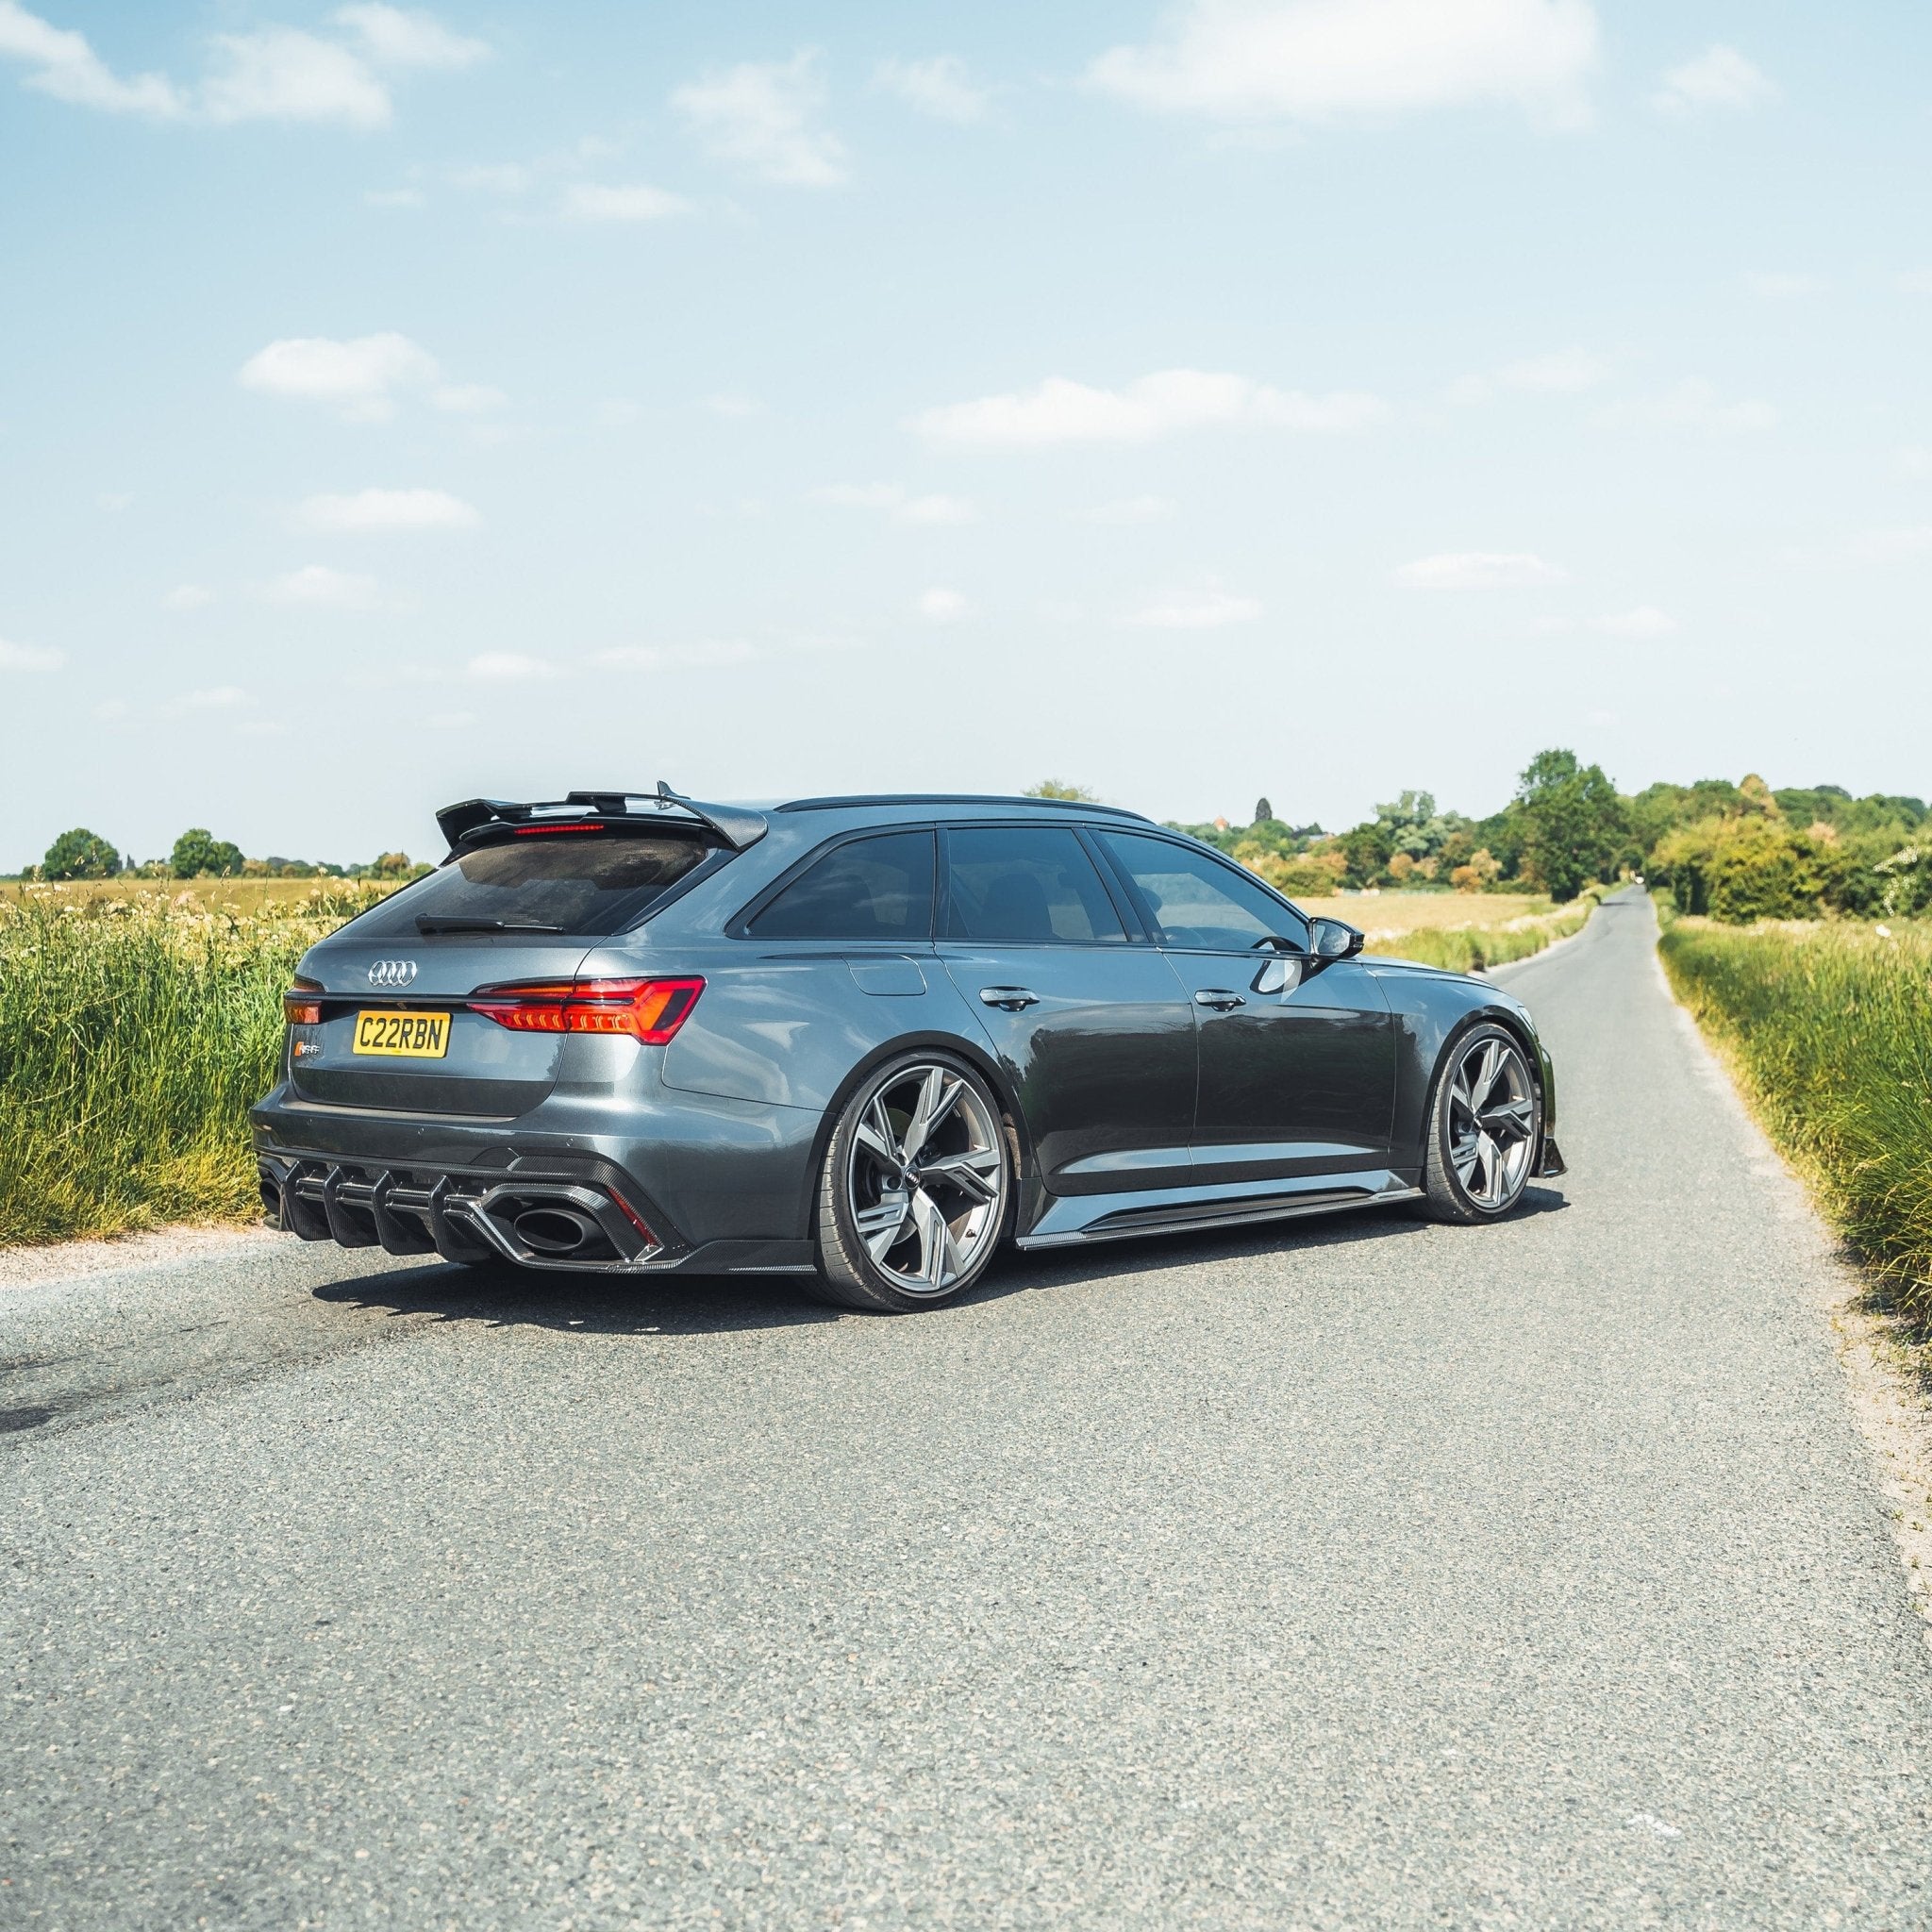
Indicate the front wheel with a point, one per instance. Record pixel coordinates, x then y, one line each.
1485 1121
913 1193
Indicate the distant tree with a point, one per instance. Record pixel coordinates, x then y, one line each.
80 854
1262 810
1057 788
391 865
198 853
1572 822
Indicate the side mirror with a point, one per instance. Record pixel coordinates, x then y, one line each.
1333 939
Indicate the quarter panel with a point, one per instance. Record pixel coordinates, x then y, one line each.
786 1026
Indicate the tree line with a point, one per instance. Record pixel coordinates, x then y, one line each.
198 853
1736 851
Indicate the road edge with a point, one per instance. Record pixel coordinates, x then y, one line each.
1893 1420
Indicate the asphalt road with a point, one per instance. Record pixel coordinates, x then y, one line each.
1362 1573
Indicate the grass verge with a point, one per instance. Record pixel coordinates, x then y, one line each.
1474 948
134 1033
1829 1028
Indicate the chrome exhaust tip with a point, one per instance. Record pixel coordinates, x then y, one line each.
553 1230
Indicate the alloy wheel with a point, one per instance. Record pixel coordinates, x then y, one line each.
1493 1122
925 1178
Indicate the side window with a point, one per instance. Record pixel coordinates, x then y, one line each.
1025 882
867 889
1199 902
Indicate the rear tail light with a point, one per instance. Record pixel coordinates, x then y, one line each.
650 1010
300 1005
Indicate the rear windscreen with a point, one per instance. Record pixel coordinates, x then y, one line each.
586 884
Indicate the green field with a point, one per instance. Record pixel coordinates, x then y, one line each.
1828 1027
134 1031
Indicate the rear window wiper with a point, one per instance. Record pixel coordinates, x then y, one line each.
428 923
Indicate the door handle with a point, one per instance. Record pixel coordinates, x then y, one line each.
1010 999
1219 997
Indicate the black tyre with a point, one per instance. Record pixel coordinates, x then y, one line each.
1485 1127
914 1191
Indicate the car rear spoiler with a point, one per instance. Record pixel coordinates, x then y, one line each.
735 825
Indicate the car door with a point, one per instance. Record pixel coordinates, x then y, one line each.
1297 1056
1095 1031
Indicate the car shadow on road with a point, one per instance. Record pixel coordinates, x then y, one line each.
707 1305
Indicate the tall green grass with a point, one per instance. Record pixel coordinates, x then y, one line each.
1830 1029
134 1033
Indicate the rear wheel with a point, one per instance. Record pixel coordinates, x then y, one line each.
1485 1121
913 1195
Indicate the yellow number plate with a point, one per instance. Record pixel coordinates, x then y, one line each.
402 1036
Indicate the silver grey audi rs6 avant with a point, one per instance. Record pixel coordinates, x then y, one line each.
864 1041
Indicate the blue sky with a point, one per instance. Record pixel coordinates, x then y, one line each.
1308 398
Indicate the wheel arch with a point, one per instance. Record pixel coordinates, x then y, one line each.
977 1057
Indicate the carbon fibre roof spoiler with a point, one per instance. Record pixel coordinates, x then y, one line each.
738 825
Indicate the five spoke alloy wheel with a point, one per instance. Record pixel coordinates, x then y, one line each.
1484 1128
913 1196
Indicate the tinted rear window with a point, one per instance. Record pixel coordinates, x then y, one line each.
867 889
587 884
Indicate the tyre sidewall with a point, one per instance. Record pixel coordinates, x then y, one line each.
1446 1194
843 1259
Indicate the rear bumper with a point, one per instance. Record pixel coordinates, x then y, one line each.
706 1188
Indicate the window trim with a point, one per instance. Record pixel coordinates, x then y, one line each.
739 926
1192 847
1132 927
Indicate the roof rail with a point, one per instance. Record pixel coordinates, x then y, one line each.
735 825
1116 811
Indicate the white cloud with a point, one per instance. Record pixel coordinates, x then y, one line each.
1479 569
1206 609
1325 60
1132 509
115 501
220 697
323 589
187 597
269 74
29 658
491 177
62 64
509 667
695 657
897 504
388 509
1915 462
361 375
1562 371
1718 78
940 87
393 38
1646 620
468 398
593 201
281 74
762 118
1784 287
1059 411
1916 281
938 605
394 197
733 406
450 720
1694 404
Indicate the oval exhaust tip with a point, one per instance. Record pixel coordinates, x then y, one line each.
553 1230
